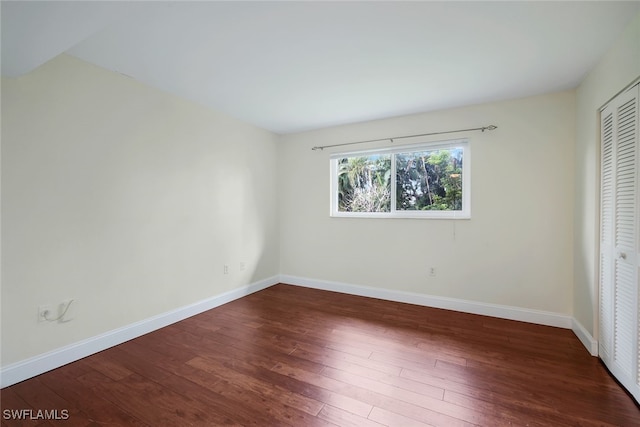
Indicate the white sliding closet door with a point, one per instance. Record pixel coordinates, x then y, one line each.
619 239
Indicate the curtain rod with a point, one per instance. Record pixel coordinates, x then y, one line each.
490 127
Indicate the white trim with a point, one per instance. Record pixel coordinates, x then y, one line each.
494 310
28 368
627 88
25 369
585 337
474 307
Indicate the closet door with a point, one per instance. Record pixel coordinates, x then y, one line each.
619 237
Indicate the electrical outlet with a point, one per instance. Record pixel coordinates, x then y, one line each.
432 271
45 312
243 266
225 269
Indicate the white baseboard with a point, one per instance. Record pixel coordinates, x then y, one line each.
20 371
473 307
494 310
585 337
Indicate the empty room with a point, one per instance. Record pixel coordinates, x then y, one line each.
320 213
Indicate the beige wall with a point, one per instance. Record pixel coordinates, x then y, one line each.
125 198
619 67
516 249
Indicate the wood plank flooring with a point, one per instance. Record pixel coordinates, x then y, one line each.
293 356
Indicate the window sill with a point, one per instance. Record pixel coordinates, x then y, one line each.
407 215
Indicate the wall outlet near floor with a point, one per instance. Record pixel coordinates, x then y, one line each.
225 269
432 271
243 266
62 312
45 312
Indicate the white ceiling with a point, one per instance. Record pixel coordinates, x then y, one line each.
293 66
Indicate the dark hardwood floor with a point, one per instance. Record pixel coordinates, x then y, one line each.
302 357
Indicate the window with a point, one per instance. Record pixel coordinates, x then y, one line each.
416 181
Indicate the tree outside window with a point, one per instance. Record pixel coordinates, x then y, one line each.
428 180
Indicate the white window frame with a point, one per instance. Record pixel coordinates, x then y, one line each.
465 213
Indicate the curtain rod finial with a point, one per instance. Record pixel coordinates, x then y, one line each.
490 127
317 148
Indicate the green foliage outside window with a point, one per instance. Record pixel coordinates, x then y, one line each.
424 180
364 184
429 180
